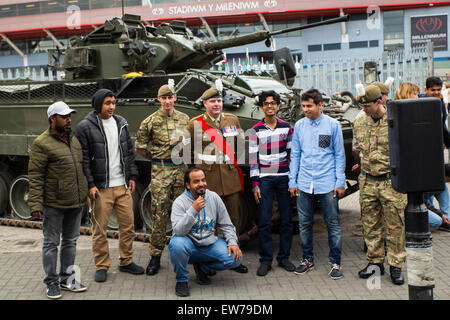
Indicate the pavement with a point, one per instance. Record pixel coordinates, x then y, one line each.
21 271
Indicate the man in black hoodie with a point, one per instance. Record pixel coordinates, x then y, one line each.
108 164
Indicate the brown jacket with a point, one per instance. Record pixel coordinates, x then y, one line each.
222 176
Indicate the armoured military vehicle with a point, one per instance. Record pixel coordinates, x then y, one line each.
134 60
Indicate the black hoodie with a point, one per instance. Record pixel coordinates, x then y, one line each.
91 134
98 97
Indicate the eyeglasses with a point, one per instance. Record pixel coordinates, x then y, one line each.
270 103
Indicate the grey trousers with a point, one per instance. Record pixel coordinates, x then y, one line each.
57 224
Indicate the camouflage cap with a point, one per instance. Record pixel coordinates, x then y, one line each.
372 93
383 88
211 93
165 91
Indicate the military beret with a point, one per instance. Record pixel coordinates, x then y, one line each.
165 91
371 93
383 88
211 93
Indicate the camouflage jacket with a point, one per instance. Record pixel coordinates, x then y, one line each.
370 138
162 132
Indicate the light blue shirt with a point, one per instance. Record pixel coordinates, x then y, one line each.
317 156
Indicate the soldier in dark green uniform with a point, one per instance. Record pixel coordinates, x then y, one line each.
379 201
160 132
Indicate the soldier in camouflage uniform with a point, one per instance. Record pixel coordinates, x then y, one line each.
379 201
161 130
384 88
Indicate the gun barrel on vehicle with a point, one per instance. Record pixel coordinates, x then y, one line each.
260 35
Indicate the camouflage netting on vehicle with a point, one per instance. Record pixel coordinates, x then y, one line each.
47 92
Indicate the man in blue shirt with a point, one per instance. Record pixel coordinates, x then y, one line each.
317 172
433 88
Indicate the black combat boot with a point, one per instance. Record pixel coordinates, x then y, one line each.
153 265
365 273
396 275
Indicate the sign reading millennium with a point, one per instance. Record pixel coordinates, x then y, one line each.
426 28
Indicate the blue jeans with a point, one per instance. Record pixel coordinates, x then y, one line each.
57 223
268 187
443 198
330 210
434 220
183 251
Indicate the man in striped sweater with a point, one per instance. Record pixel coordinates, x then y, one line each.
269 148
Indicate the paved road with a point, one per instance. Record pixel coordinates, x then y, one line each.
21 270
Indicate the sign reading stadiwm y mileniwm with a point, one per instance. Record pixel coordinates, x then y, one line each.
426 28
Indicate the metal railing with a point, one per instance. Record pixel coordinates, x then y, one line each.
337 75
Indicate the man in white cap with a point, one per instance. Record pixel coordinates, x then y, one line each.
57 193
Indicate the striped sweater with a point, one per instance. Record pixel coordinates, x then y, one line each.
269 150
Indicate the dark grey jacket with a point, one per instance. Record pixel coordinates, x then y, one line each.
91 134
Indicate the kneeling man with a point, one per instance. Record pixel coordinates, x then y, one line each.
195 216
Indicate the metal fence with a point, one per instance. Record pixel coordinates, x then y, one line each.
337 75
37 73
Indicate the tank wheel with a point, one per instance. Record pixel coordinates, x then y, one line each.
18 197
138 223
146 212
3 196
5 182
248 227
243 213
112 223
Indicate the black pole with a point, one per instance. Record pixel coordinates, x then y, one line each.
419 252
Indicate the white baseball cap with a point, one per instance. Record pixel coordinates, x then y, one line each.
60 108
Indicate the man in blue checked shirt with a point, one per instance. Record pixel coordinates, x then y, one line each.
317 172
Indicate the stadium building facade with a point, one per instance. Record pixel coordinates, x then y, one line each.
29 28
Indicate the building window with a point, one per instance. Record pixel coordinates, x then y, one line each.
29 8
358 44
373 43
313 20
331 46
314 47
8 11
358 16
292 24
53 6
393 30
82 4
330 17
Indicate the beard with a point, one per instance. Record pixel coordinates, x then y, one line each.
63 129
199 191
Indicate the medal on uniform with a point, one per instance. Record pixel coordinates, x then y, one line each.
229 131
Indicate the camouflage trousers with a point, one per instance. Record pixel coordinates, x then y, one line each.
382 205
167 183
